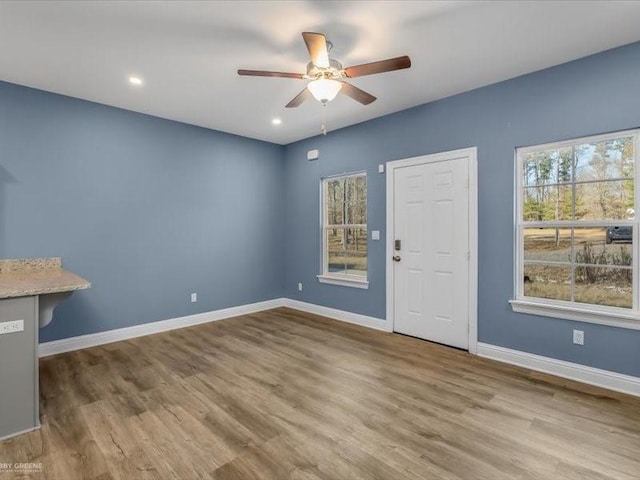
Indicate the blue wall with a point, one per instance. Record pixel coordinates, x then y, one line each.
147 209
593 95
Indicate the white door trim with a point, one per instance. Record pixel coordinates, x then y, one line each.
472 155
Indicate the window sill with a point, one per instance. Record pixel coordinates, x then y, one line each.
621 319
343 281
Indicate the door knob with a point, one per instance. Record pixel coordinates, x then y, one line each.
396 258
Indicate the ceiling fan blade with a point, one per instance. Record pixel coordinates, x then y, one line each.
389 65
298 99
357 94
263 73
317 46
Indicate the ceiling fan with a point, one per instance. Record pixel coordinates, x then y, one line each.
327 75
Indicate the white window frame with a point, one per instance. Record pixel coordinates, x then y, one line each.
333 278
599 314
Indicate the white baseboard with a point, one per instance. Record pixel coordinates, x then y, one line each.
101 338
342 315
573 371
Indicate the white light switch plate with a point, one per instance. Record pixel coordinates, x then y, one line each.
11 327
375 234
578 337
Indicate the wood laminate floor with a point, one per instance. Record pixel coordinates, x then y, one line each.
285 395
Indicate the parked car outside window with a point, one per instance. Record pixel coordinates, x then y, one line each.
622 234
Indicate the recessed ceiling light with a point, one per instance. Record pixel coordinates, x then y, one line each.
133 80
276 121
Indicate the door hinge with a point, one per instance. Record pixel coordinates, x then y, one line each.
468 256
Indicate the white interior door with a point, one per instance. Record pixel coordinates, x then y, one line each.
431 266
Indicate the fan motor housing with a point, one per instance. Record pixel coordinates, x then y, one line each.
334 71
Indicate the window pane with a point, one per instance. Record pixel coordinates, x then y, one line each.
356 188
604 160
604 245
350 183
547 244
335 213
547 281
604 200
357 213
336 243
335 190
357 240
356 263
547 167
604 286
336 262
547 203
360 188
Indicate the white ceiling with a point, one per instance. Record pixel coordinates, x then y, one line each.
188 53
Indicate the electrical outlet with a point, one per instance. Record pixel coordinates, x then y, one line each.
194 297
578 337
300 286
12 327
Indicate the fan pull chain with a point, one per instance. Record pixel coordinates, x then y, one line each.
323 126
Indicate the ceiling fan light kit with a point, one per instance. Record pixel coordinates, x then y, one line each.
324 89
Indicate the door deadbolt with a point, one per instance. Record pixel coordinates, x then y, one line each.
396 258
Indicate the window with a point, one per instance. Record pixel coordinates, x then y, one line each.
577 232
344 230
